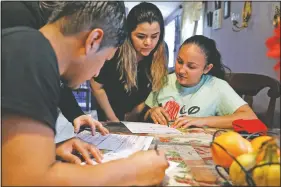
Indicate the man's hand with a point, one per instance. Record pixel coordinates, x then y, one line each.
34 142
65 151
88 120
186 121
159 115
150 167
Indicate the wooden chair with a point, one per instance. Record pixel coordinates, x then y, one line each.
249 85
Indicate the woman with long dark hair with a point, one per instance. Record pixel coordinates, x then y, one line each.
138 68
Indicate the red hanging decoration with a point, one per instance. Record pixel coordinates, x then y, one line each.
273 45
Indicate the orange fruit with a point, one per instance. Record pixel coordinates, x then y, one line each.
257 142
234 143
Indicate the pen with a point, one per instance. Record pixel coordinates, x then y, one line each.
84 128
170 122
155 147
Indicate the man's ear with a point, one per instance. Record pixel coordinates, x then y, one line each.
94 40
208 68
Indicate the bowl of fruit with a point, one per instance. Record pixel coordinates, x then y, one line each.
247 161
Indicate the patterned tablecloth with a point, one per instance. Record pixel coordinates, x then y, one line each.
191 150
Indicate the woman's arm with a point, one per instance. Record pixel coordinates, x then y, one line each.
138 109
68 105
102 99
147 113
136 114
243 112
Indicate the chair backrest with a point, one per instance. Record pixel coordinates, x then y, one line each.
248 85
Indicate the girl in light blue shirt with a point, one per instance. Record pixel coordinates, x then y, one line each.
197 93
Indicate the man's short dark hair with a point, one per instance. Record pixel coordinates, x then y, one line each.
87 15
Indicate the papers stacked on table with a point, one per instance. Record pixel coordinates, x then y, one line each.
116 142
151 128
120 146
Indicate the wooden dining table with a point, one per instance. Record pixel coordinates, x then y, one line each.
191 150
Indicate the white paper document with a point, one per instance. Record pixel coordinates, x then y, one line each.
113 156
116 142
151 128
124 154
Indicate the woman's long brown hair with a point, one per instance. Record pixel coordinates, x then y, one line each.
127 65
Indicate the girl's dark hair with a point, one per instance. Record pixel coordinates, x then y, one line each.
213 56
145 12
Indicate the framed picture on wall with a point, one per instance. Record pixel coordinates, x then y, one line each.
217 5
226 9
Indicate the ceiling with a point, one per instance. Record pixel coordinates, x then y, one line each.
166 7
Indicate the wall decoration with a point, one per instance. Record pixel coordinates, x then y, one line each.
273 42
246 15
276 18
210 19
217 5
226 9
217 19
191 12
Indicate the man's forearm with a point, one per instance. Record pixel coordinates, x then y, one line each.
107 174
36 165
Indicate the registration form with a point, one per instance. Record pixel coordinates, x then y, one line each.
151 128
117 142
124 154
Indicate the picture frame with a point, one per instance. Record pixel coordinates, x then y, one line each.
226 9
217 19
217 5
210 19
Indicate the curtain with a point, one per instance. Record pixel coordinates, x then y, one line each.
191 14
177 36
